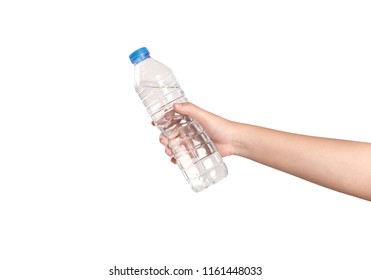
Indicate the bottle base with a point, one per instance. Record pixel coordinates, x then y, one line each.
209 178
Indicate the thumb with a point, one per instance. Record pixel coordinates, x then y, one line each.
189 109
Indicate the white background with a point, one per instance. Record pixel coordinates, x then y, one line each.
85 184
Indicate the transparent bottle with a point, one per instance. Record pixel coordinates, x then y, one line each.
193 150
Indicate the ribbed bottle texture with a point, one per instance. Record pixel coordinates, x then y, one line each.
193 150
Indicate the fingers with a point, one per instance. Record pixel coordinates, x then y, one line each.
168 151
163 140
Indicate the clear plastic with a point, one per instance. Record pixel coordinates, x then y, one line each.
193 150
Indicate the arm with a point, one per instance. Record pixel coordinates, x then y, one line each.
341 165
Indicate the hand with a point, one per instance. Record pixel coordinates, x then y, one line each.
220 130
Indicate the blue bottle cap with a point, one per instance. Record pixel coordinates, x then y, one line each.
139 55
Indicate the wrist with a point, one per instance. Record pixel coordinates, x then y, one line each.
241 140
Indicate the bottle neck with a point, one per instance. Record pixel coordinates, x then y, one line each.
140 59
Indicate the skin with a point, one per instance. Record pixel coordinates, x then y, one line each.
340 165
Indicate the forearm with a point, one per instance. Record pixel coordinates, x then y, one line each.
341 165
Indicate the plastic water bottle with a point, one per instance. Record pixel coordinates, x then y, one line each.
193 150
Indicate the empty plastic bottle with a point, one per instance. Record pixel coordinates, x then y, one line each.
193 150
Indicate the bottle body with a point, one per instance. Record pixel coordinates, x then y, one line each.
193 150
